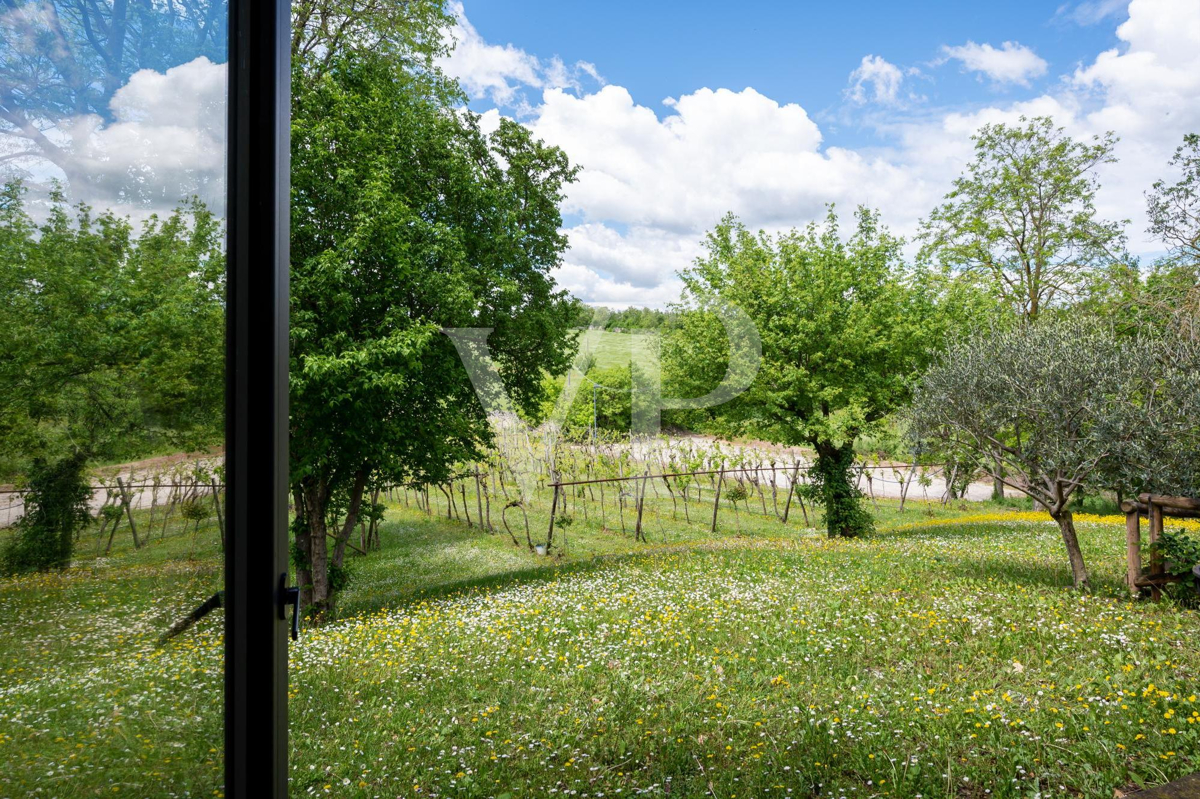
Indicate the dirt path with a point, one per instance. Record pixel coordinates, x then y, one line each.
138 476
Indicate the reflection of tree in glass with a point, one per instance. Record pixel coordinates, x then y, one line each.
67 59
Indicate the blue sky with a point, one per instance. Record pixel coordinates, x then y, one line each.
679 113
792 52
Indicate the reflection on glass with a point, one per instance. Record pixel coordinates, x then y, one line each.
112 160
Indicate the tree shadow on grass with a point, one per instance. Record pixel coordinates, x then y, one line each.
1034 575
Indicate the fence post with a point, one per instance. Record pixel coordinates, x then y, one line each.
1156 563
126 500
553 512
637 530
220 516
1133 547
717 499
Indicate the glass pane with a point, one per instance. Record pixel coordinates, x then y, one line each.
112 162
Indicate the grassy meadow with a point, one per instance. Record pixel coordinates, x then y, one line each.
943 656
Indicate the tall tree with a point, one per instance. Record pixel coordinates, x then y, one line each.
1023 214
408 220
1174 208
111 342
844 325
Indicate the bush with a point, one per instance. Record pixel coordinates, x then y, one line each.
56 508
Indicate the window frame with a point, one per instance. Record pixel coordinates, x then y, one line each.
256 398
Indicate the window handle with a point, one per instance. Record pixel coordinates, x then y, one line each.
289 595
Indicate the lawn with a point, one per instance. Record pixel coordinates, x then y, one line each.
616 349
944 656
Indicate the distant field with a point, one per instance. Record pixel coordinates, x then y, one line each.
616 349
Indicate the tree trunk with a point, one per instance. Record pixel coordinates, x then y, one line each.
1066 525
997 481
356 495
844 514
311 541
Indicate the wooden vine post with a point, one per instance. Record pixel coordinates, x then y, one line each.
1154 507
126 500
553 513
717 500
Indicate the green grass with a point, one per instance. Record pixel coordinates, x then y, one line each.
615 349
939 657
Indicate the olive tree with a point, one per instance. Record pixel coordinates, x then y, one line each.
1056 403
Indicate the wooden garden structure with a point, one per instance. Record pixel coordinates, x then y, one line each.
1154 507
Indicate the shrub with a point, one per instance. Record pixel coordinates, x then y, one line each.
56 508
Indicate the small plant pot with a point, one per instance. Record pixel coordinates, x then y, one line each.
539 549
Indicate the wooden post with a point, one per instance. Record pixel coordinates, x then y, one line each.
1156 564
787 506
553 512
637 530
1133 548
126 500
220 515
479 502
717 500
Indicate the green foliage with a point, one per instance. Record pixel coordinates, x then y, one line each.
411 33
636 319
340 577
1023 216
844 326
195 511
56 509
613 401
1051 401
1064 403
111 342
388 250
1179 551
832 485
1174 208
736 493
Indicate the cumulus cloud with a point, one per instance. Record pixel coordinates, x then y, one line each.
711 151
875 80
165 142
501 73
1009 63
655 178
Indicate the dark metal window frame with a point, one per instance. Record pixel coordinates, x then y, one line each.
256 389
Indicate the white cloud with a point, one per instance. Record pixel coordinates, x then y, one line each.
875 80
1091 12
165 143
1010 63
654 179
586 283
714 150
500 72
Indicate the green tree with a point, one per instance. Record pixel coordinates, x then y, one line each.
408 220
1174 208
111 343
844 325
1057 403
1023 215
